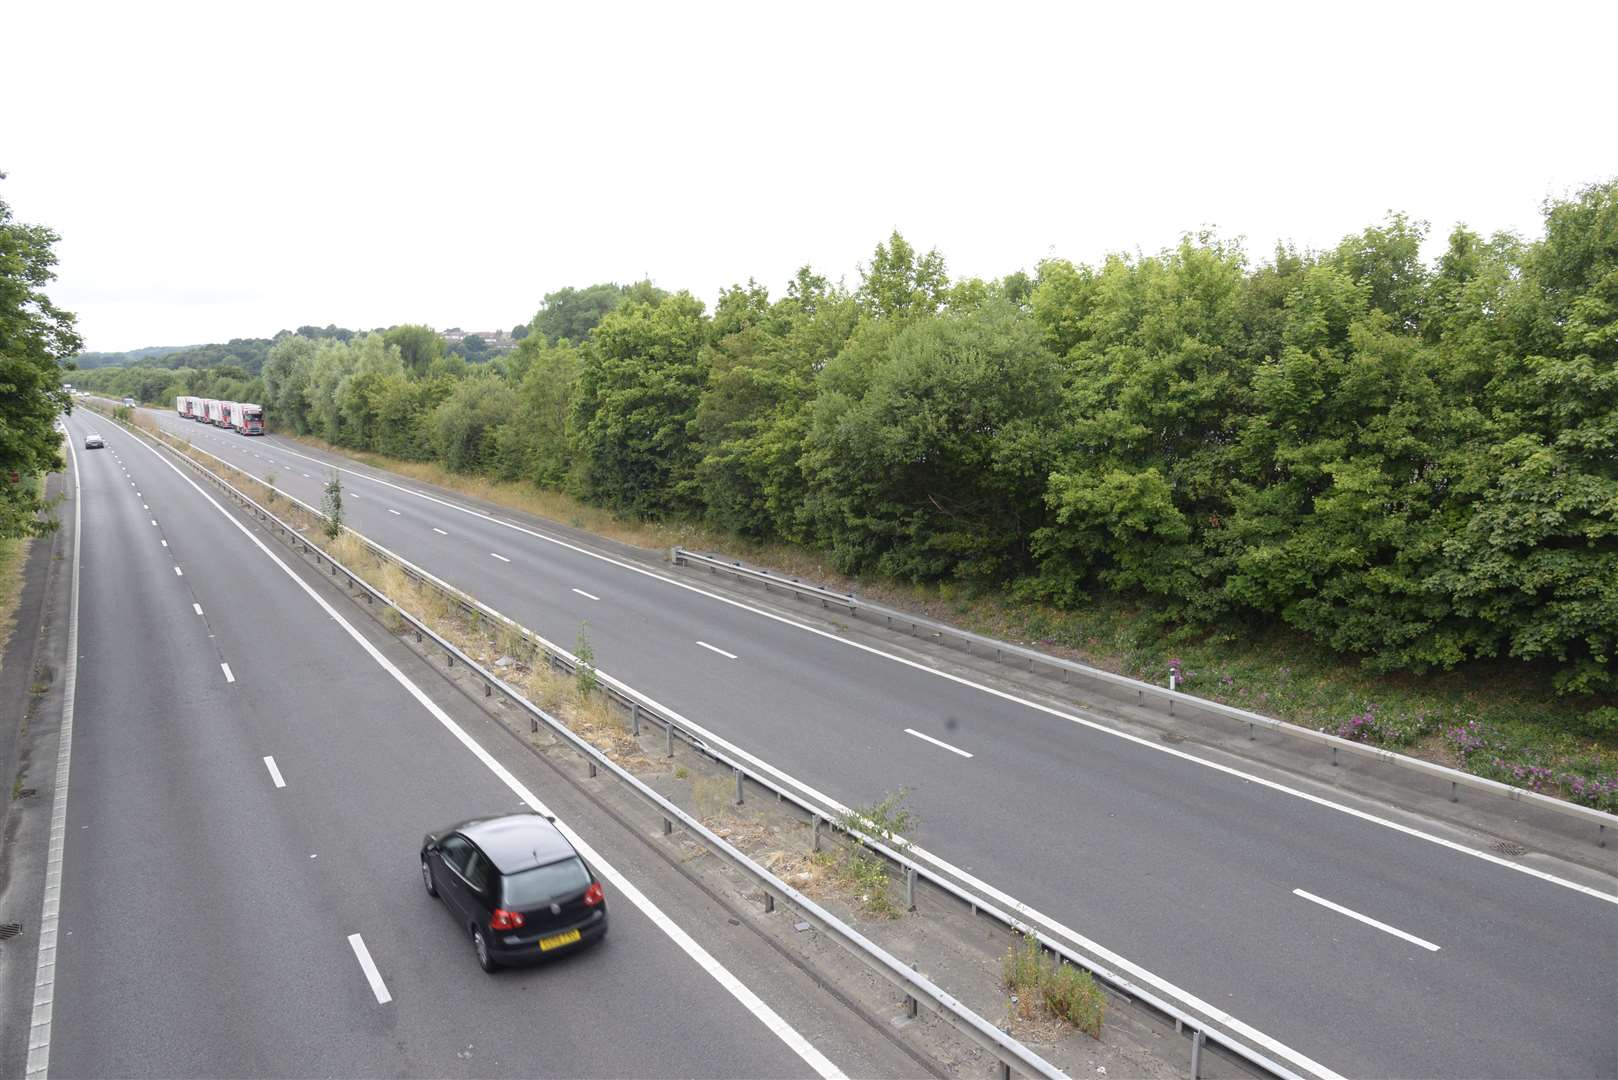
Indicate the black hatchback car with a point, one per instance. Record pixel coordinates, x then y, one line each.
516 886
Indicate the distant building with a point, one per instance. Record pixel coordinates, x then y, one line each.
496 340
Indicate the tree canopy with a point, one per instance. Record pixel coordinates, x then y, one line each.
36 337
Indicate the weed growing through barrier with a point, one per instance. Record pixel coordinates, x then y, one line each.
1040 984
269 489
331 505
862 872
888 820
586 656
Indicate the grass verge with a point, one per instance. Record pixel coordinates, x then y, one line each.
13 557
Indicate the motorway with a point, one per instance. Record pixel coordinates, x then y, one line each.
249 785
1353 947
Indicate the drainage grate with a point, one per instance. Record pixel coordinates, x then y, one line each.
10 930
1172 737
27 792
1507 848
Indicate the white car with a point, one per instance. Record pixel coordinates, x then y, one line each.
93 441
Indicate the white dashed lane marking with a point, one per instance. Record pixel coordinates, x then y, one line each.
197 608
937 742
275 773
587 596
439 531
229 677
717 649
1367 920
367 965
499 556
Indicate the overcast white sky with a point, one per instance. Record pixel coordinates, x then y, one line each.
225 170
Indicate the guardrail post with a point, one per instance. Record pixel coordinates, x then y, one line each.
488 690
592 763
1454 792
449 658
668 826
1334 757
634 717
1005 1070
1196 1054
769 902
816 846
1602 834
668 739
910 892
738 787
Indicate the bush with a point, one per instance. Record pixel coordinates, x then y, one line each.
1062 990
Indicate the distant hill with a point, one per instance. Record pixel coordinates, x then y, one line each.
245 353
91 360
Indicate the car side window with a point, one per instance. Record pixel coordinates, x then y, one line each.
477 871
456 849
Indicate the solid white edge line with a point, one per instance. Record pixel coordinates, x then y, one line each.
197 608
1367 920
275 772
439 531
717 971
367 965
39 1021
178 572
499 556
937 742
960 680
715 648
587 596
228 676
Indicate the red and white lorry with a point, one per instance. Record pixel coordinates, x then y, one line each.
250 418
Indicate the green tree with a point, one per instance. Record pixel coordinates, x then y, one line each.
572 313
899 283
638 392
462 427
418 346
927 450
36 337
1536 559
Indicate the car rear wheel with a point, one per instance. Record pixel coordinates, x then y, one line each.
480 947
427 878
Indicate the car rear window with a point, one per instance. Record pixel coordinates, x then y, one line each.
542 883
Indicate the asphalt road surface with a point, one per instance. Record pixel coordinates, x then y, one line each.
207 911
1351 945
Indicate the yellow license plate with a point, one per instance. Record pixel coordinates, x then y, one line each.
558 940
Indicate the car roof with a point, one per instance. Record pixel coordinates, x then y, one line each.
517 841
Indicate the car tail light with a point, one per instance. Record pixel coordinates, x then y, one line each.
593 895
502 919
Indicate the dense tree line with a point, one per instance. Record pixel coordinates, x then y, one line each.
1413 463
